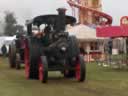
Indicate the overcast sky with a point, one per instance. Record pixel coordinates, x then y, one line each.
26 9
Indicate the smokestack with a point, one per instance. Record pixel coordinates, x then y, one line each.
61 24
29 27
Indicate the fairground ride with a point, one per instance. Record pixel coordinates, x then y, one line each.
85 12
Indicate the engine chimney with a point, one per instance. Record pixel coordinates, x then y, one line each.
61 24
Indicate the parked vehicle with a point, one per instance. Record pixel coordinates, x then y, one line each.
16 51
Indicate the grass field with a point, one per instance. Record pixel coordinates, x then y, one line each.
100 82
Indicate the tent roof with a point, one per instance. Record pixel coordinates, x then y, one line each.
112 31
83 32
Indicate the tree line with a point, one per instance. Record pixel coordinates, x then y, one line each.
11 24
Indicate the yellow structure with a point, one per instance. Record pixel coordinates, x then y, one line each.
86 17
89 15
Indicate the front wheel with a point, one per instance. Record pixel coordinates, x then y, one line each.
80 69
43 69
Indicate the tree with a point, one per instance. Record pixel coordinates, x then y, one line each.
10 24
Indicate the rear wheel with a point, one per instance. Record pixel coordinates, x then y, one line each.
34 59
33 69
12 55
32 56
26 60
80 69
43 69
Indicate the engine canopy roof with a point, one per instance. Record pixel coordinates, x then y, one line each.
51 19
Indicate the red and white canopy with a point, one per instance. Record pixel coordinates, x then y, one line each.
112 31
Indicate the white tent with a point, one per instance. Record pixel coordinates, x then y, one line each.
6 40
83 32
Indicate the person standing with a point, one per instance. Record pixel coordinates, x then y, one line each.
4 50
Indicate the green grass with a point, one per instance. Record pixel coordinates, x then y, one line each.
100 82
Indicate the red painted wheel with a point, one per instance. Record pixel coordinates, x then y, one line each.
26 60
80 69
31 59
43 69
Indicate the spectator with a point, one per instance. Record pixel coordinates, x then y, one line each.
4 50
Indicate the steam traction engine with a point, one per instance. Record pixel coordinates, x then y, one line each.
52 49
16 51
